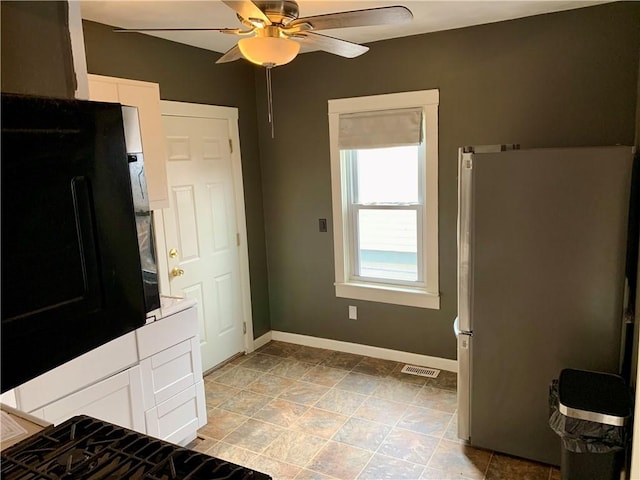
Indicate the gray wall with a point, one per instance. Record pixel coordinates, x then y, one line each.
565 79
36 49
189 74
555 80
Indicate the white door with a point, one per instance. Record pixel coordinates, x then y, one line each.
202 235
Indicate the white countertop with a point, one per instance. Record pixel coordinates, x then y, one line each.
172 305
169 305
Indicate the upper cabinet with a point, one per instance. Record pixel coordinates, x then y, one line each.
145 96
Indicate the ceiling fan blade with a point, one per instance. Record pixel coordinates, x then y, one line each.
248 11
230 55
331 45
138 30
356 18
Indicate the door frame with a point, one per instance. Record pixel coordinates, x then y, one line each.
183 109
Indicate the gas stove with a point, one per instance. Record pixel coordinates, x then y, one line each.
84 448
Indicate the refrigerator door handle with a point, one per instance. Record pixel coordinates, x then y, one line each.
465 217
458 331
464 382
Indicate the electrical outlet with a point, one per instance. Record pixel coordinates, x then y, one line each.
353 312
322 224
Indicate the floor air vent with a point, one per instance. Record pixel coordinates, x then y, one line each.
421 371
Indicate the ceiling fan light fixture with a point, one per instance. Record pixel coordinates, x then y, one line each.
269 51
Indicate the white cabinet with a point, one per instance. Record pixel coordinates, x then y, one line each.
117 399
146 97
172 377
170 331
95 365
9 398
170 372
149 380
177 419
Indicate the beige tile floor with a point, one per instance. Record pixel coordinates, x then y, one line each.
298 412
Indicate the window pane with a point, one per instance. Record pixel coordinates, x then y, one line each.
387 175
387 244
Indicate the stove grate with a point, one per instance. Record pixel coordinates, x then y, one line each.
84 448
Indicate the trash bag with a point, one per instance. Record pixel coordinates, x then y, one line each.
583 436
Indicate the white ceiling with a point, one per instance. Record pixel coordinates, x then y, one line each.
429 16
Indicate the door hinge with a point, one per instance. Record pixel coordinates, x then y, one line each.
237 239
244 327
230 146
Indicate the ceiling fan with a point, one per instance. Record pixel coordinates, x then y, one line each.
272 32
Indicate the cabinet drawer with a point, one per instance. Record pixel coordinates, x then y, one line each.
166 332
117 399
177 420
171 371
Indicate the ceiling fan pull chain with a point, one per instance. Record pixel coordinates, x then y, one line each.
270 98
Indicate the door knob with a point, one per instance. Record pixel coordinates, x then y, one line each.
177 272
173 253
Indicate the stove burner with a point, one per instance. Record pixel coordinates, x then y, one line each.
84 448
69 459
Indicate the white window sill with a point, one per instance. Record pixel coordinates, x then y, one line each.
410 297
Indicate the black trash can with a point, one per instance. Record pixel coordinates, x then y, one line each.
590 412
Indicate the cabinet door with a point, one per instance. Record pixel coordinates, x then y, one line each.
146 97
177 420
88 369
118 399
9 398
100 91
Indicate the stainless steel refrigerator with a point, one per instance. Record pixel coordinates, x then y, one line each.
542 240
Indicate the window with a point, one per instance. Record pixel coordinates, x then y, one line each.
384 175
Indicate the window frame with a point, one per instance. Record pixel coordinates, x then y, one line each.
423 296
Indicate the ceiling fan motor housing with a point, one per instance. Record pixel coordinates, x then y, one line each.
279 12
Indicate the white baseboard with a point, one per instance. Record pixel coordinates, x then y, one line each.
262 340
355 348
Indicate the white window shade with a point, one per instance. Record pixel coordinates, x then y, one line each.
380 129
